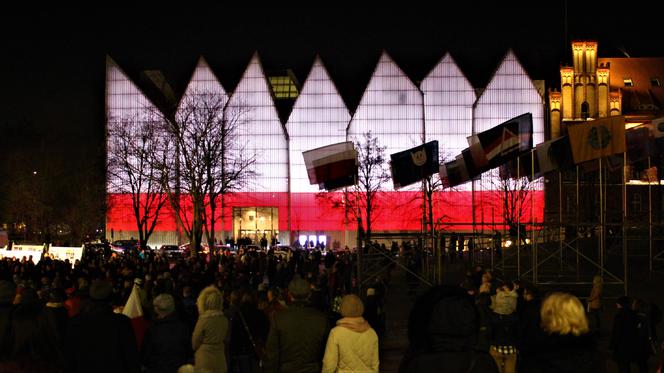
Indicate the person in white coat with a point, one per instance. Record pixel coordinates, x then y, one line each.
352 345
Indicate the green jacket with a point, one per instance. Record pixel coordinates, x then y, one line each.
296 342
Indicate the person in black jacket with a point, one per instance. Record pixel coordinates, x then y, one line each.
56 307
32 337
7 295
625 337
99 340
529 326
442 335
248 332
167 342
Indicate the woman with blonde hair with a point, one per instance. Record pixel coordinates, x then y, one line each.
210 331
595 302
567 345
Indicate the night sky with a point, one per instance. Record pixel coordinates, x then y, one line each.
52 62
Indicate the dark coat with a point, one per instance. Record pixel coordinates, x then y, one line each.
61 318
504 330
258 324
166 345
296 342
99 340
5 314
529 333
450 340
624 336
564 354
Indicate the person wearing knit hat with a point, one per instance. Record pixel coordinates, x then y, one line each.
56 307
163 305
297 335
167 341
101 291
352 345
299 289
99 340
351 306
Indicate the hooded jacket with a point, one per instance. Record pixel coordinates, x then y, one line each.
296 340
352 346
209 334
446 343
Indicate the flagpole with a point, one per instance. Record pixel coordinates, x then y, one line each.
493 244
649 217
518 222
624 230
578 222
560 217
532 216
601 221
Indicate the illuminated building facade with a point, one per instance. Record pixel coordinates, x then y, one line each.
401 114
596 87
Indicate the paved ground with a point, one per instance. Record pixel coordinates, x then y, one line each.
398 301
400 297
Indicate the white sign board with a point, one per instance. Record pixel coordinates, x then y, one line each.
19 254
39 248
64 253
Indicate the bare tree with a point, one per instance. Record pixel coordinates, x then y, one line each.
360 201
205 161
513 195
135 145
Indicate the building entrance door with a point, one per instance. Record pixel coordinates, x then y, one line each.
255 223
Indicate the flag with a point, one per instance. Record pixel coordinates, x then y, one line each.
134 310
350 179
333 165
554 155
473 169
523 166
453 173
413 165
477 153
638 143
657 127
506 141
599 138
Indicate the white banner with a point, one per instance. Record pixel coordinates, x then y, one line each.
64 253
19 254
39 248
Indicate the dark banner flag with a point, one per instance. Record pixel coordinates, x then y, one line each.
508 140
555 155
454 173
526 165
474 170
413 165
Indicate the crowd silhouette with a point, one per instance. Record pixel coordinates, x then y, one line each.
255 310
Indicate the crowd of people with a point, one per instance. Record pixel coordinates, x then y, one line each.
254 311
486 325
244 311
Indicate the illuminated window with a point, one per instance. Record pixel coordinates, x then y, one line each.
655 82
284 87
628 82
